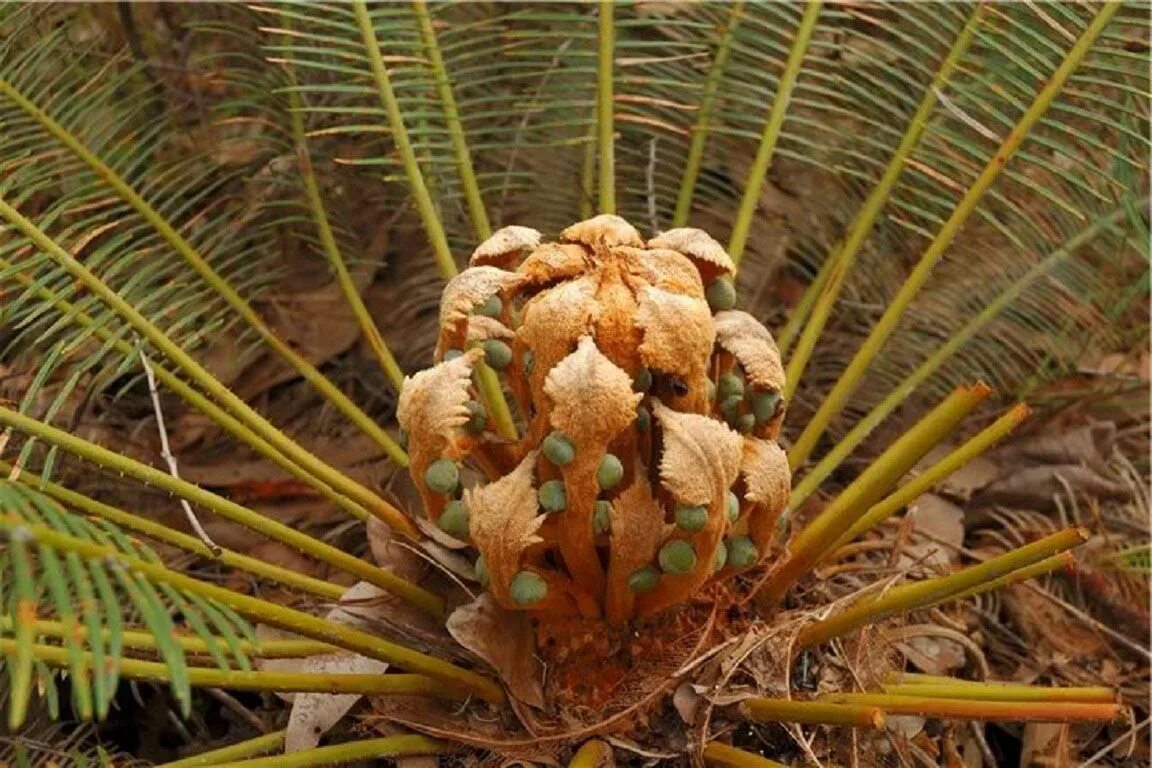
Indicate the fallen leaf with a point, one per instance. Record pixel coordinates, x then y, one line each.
505 640
937 532
314 714
687 702
1036 488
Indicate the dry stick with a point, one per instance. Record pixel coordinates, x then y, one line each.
264 611
811 713
170 459
821 535
987 711
933 591
727 756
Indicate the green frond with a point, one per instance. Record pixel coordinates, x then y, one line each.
95 599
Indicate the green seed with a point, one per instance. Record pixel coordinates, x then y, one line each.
610 472
452 354
497 354
731 385
732 507
559 449
731 409
764 405
527 588
642 381
644 580
478 417
602 517
691 518
742 552
481 569
402 439
677 556
528 360
442 476
491 307
745 423
552 496
721 294
643 419
721 558
454 519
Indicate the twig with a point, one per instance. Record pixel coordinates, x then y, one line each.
166 454
230 702
650 185
1130 734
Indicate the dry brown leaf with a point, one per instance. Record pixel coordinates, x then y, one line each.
678 334
504 522
1037 487
603 231
592 398
505 246
506 641
697 245
937 534
700 455
391 555
751 344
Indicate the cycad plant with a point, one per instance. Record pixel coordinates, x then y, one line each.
620 483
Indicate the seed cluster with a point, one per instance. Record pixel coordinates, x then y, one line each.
646 411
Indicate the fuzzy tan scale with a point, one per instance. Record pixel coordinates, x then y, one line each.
665 269
505 246
768 484
552 324
553 262
433 411
753 346
603 232
469 289
637 530
700 454
504 522
678 335
697 245
483 328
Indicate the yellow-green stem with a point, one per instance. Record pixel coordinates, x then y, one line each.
328 242
845 255
592 754
267 612
353 751
992 691
727 756
261 745
820 536
986 711
759 170
480 226
811 713
433 227
493 395
202 378
704 116
606 105
184 541
309 372
254 680
929 592
1042 568
900 393
835 401
923 482
190 644
226 508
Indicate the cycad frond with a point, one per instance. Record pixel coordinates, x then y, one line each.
95 600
